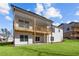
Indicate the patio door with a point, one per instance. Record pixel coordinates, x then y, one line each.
23 38
37 39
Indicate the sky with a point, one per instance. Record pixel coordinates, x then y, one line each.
57 12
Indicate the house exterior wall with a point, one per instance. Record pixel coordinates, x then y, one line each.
49 38
42 38
58 35
17 38
31 39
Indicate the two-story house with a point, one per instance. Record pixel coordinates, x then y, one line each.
30 28
71 30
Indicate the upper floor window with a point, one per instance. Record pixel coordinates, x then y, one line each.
59 30
23 23
68 29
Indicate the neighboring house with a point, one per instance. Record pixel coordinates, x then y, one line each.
65 27
31 28
10 39
71 30
2 39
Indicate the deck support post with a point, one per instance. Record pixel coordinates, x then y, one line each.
34 30
44 38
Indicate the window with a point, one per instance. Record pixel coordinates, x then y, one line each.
26 38
21 23
24 24
0 39
77 32
23 38
37 39
4 39
77 37
68 29
59 30
52 38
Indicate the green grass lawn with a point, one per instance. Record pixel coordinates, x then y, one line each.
66 48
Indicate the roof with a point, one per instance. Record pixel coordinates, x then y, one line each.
30 12
56 26
74 22
69 23
62 24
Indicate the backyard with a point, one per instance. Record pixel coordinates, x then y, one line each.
66 48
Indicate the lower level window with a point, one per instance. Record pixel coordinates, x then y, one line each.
52 38
37 39
23 38
26 38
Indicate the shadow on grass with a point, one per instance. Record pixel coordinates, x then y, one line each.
47 53
6 44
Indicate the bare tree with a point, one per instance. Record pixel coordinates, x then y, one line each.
6 33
